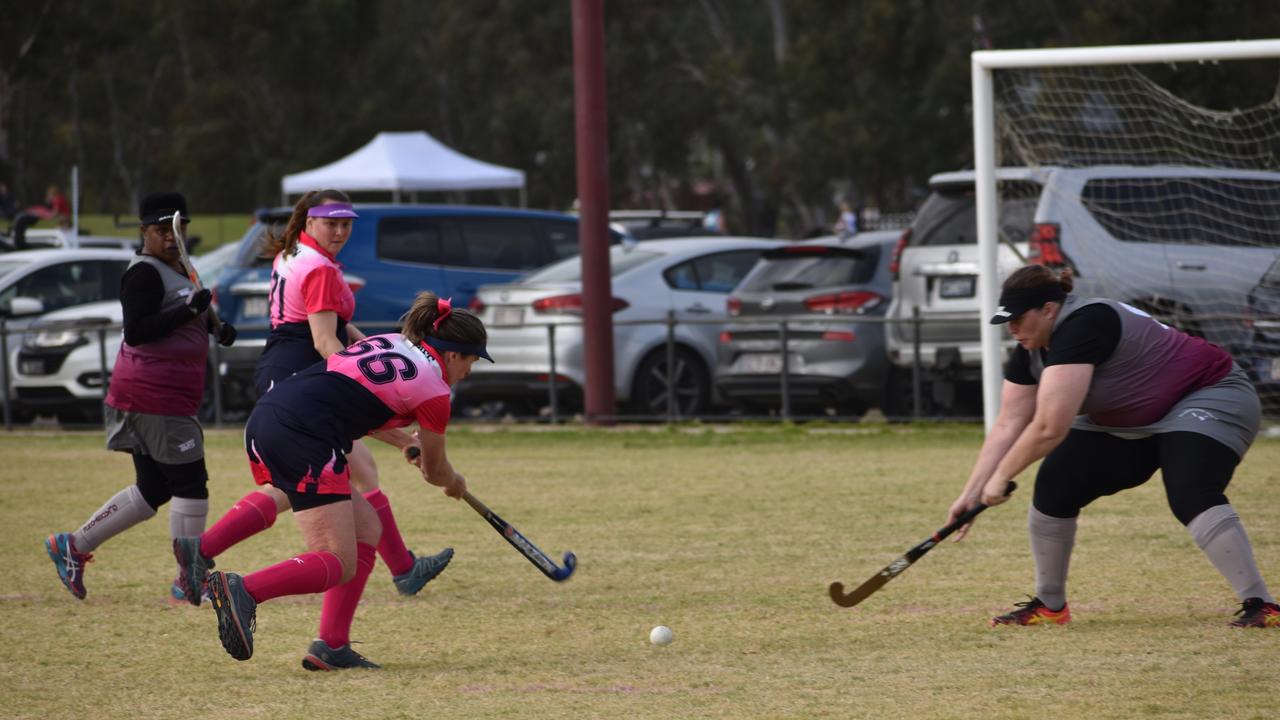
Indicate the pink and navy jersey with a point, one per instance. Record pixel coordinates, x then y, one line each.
307 280
383 381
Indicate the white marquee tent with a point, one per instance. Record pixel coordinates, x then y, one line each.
398 162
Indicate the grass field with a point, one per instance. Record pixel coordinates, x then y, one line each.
213 230
730 538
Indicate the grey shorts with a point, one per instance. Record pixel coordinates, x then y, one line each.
167 439
1227 411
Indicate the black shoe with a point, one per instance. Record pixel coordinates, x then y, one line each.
322 657
1257 613
237 613
194 572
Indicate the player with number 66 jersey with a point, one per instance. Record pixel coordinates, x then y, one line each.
298 438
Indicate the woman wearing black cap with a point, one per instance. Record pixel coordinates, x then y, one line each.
157 384
1107 395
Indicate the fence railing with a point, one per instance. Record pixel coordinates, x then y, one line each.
215 410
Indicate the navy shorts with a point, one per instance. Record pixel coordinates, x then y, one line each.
295 461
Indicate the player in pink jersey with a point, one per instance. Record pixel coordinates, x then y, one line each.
298 439
311 307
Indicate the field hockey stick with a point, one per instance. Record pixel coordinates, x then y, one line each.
521 543
192 275
513 536
895 568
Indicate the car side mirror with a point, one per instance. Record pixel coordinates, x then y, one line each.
25 306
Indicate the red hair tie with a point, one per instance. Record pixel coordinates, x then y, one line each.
444 308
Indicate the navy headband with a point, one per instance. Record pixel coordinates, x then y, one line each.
464 348
1016 301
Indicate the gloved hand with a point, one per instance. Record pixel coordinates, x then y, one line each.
226 334
199 302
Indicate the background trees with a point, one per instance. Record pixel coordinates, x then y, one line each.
771 109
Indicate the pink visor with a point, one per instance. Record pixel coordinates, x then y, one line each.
332 210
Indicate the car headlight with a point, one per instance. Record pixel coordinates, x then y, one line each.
49 339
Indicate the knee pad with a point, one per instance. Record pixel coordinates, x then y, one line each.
189 481
151 481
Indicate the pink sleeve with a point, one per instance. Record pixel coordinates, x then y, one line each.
323 289
433 415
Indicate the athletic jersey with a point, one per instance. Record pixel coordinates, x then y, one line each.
164 376
305 281
1142 367
381 382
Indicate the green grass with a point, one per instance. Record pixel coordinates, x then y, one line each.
730 538
213 230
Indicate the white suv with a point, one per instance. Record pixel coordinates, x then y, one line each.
1185 243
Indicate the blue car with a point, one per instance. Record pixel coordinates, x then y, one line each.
394 252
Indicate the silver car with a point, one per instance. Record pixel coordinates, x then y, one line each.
688 277
825 290
1183 243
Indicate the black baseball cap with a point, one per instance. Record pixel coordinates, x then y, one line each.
1016 301
159 208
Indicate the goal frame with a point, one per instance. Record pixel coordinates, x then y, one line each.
983 63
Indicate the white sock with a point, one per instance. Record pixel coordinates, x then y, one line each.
1220 534
124 510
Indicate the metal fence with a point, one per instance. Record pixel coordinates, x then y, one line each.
556 411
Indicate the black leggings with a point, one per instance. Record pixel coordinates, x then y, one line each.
158 482
1088 465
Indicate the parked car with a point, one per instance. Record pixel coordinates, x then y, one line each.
1183 243
394 252
45 239
1261 357
34 282
823 290
58 367
690 277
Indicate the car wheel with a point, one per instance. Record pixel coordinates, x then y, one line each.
654 382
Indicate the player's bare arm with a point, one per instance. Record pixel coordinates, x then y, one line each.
436 468
1061 392
324 332
1017 408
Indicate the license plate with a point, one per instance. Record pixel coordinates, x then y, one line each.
508 315
1275 369
31 367
957 287
255 307
762 364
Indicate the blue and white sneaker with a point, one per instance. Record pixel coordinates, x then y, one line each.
68 561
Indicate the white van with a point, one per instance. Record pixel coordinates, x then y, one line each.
1184 243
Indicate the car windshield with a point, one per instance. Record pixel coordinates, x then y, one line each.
570 270
801 268
10 266
948 216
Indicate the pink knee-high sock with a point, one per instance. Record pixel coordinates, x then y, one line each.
391 545
340 601
310 572
252 514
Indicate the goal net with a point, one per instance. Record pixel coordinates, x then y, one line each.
1150 196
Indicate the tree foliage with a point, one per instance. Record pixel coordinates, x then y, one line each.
771 109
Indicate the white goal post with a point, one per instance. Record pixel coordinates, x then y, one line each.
983 64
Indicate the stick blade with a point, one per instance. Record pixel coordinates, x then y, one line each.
570 564
862 592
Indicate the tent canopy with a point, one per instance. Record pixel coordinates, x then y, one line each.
405 161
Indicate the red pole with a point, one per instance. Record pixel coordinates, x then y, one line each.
591 130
